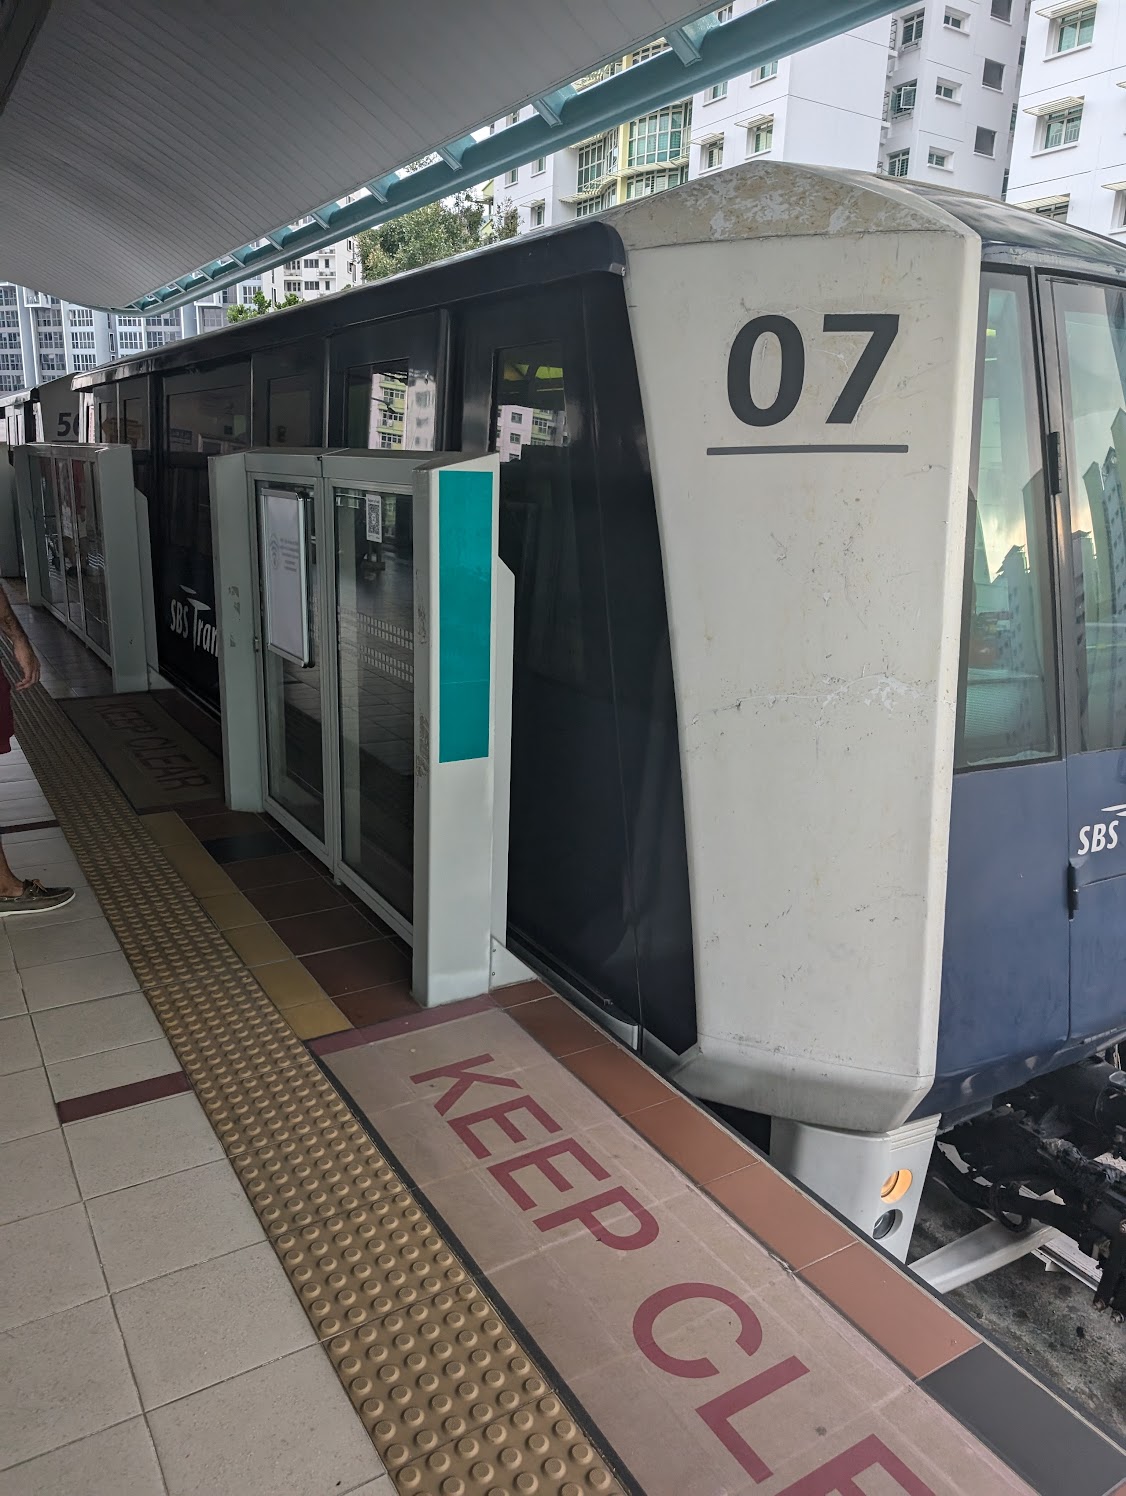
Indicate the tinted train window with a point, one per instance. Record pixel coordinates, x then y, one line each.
390 407
1008 700
134 424
291 401
1092 343
209 421
539 526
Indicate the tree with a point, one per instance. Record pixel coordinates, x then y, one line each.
434 232
260 305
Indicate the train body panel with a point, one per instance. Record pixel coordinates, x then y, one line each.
814 551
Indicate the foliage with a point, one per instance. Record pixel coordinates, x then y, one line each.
434 232
260 305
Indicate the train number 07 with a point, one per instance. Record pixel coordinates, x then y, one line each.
883 327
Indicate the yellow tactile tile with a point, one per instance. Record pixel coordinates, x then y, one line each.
166 827
376 1277
434 1372
257 944
289 984
312 1020
539 1451
231 910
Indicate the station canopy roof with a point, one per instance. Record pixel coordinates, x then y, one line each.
141 141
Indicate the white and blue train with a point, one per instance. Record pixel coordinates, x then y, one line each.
814 491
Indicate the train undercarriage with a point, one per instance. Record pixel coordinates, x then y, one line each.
1042 1161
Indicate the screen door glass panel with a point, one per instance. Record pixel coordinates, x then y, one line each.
91 554
294 755
47 516
375 623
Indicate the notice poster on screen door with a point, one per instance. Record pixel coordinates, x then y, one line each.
373 518
283 575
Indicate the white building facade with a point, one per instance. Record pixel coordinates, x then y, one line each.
42 337
1069 153
952 91
930 93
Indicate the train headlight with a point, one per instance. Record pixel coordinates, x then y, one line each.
895 1186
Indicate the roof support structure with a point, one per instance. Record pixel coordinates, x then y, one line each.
701 52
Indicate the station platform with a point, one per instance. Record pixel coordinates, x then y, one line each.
268 1227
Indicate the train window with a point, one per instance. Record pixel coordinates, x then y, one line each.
376 408
133 424
209 421
290 401
1092 342
107 420
538 524
1008 700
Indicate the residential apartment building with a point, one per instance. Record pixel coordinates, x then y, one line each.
42 337
952 91
930 94
1069 153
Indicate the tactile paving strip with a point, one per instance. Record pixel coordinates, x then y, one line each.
452 1401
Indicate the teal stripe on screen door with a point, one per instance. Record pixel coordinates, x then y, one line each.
465 606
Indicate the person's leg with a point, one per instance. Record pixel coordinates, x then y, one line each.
10 885
27 895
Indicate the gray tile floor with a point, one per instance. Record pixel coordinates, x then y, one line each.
150 1343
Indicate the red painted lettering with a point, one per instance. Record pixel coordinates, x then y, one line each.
718 1413
748 1339
835 1477
500 1114
540 1158
463 1076
586 1211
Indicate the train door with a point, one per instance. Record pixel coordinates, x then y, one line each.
1089 324
1005 958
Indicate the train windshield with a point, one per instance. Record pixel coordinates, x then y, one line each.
1007 709
1091 322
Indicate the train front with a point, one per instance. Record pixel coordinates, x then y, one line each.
880 750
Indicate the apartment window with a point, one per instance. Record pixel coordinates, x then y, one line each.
292 287
310 285
658 137
912 32
944 89
955 20
597 204
11 361
941 159
514 117
723 14
992 74
652 49
1004 183
1076 29
248 293
84 361
596 160
80 317
648 182
540 166
898 163
903 97
82 339
10 340
129 341
1055 208
985 141
536 215
716 92
1061 127
9 319
760 137
767 70
510 177
516 417
713 155
310 264
1020 54
1001 10
7 295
